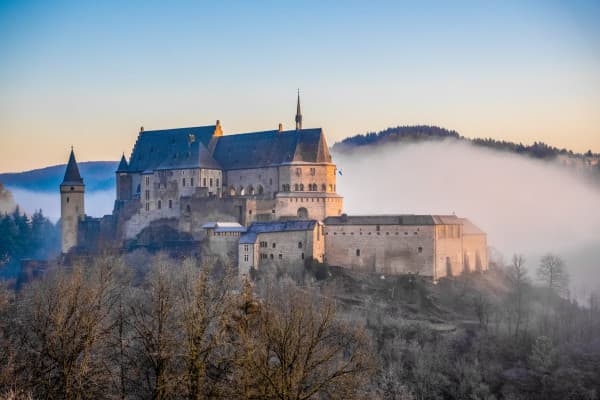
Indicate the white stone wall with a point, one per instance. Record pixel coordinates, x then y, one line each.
393 249
244 180
72 209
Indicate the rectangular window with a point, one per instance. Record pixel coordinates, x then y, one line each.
183 182
147 206
358 252
245 257
147 195
280 256
170 203
246 248
204 182
420 249
192 182
313 171
217 183
273 244
147 180
211 181
298 171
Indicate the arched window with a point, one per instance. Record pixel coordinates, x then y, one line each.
296 187
302 187
299 245
302 213
323 188
251 190
241 191
231 191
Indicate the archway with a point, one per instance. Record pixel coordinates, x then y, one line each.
302 213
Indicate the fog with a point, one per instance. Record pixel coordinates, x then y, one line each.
97 203
526 206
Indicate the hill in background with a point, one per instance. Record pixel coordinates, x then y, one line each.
421 133
97 175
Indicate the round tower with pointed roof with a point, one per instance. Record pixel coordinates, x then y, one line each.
71 204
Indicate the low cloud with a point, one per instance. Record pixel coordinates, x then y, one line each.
97 203
526 206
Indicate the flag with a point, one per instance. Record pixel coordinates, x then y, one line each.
340 172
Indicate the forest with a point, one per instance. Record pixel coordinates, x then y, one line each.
144 326
425 132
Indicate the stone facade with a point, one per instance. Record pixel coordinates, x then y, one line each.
72 206
280 243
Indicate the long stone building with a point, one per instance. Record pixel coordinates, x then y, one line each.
259 198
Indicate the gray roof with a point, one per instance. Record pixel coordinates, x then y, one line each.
282 226
172 149
408 219
248 238
224 226
196 147
72 176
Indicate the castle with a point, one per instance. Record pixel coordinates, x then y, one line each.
257 198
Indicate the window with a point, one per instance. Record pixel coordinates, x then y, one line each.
147 180
159 205
263 244
246 248
420 249
67 199
217 183
183 182
270 181
296 187
357 252
147 206
377 228
299 245
323 188
302 187
191 181
280 256
170 203
273 244
313 171
271 256
188 208
204 182
147 194
210 182
299 171
245 257
302 256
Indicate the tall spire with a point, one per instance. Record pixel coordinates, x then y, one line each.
298 114
72 175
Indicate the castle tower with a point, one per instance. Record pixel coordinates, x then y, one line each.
123 180
298 114
71 204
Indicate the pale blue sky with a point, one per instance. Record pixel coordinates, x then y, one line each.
89 74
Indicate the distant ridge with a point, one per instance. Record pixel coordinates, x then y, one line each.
420 133
97 175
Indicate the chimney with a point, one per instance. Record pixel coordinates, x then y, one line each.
141 129
280 129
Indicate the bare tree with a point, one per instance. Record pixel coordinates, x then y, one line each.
296 349
519 282
553 274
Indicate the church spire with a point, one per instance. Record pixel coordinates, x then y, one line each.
298 114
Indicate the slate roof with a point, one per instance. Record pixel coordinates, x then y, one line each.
282 226
269 148
408 219
123 166
171 148
248 238
196 147
72 176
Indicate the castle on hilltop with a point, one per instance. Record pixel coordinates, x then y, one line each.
257 198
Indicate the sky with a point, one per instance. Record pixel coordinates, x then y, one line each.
89 74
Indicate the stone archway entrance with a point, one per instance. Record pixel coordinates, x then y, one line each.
302 213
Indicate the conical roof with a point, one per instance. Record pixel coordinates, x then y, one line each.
72 176
123 166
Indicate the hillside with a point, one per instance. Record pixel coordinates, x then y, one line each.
420 133
98 175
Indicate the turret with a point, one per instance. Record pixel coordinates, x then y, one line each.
71 204
123 180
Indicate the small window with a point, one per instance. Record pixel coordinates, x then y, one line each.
271 255
159 205
274 245
147 206
188 208
245 257
183 182
204 182
420 249
192 182
280 256
217 183
357 252
211 182
246 248
170 203
302 256
299 245
67 199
